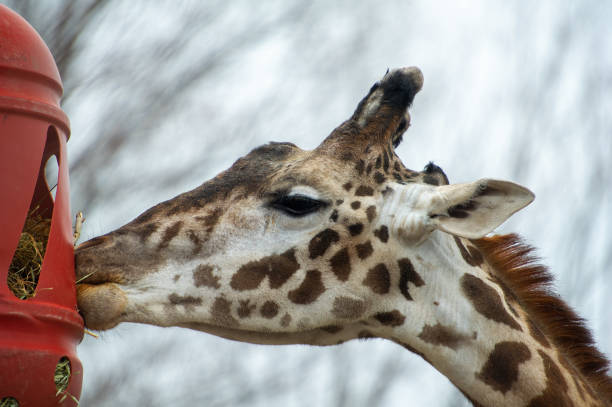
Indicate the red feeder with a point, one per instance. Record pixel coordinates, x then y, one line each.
36 333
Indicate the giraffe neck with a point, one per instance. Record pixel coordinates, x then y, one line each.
477 333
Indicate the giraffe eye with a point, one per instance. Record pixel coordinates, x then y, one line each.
297 205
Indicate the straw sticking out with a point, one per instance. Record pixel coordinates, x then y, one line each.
27 261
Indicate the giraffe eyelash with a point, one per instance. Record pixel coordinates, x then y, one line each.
297 205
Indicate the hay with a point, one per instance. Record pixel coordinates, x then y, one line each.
9 402
62 374
27 261
62 379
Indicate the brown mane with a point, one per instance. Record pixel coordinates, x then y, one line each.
531 283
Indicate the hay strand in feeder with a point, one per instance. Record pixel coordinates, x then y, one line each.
9 402
62 374
62 379
27 261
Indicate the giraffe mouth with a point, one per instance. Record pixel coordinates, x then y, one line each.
100 300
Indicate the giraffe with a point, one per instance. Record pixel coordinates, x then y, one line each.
319 247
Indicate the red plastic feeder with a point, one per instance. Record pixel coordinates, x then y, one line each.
38 332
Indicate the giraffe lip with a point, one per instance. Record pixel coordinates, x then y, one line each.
102 306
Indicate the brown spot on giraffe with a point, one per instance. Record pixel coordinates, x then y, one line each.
310 289
360 167
486 301
371 213
222 313
378 162
355 205
347 186
269 309
147 230
347 156
188 301
245 308
392 318
169 234
364 190
382 233
334 216
210 220
379 177
408 275
321 242
203 277
555 393
285 320
386 162
341 264
378 279
443 335
278 268
509 296
364 250
197 242
501 369
348 308
355 229
473 257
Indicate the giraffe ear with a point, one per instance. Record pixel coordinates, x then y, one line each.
472 210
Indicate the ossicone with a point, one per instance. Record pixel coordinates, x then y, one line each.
382 115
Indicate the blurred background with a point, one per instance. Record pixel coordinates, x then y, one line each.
163 95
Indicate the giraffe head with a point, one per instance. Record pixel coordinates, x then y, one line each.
294 246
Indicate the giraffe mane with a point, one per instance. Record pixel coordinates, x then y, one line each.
531 284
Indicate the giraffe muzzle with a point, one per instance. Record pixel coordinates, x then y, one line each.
101 306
